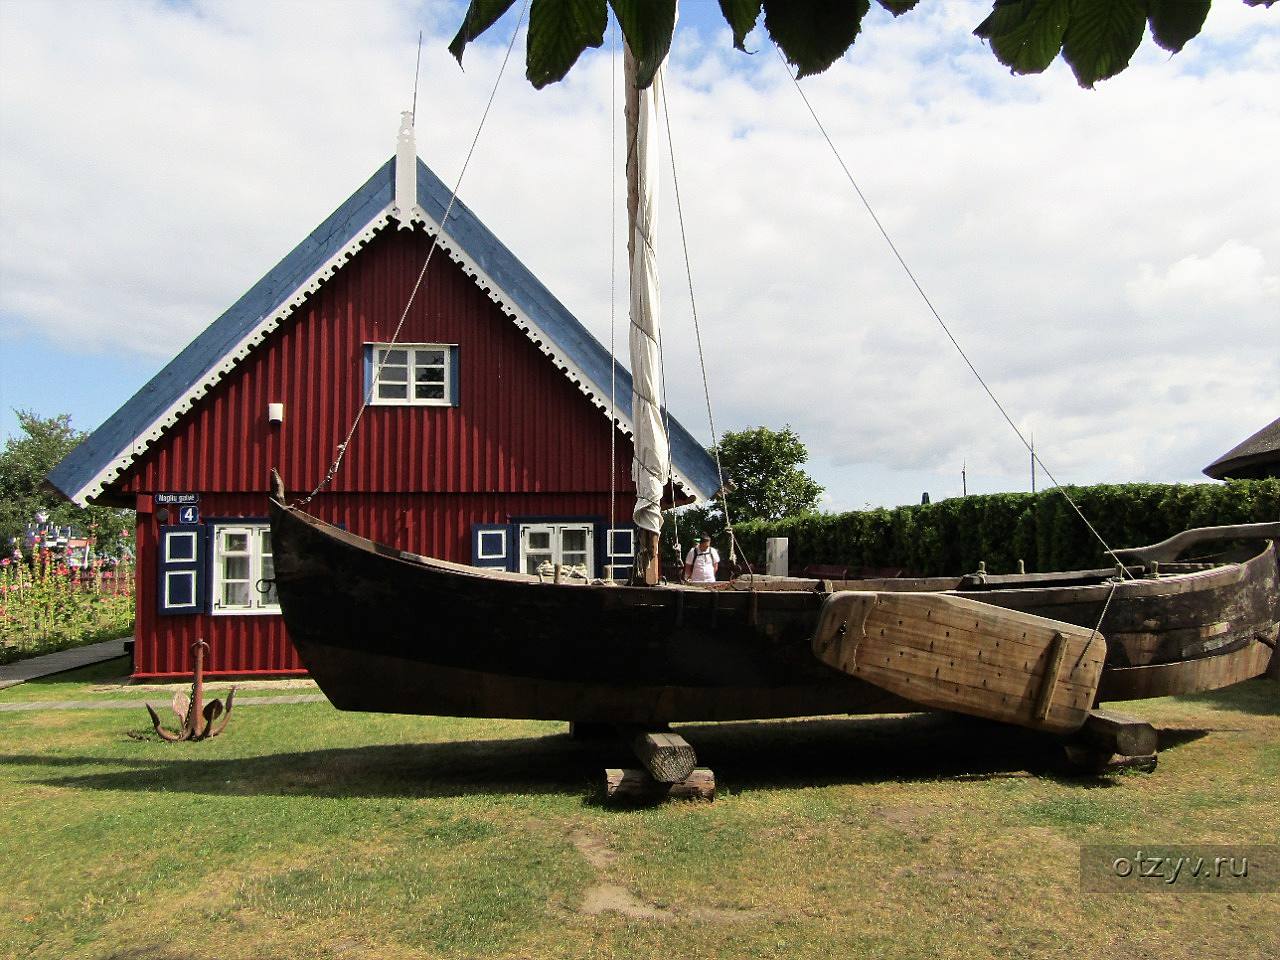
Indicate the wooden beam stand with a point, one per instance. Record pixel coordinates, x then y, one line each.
1087 759
667 756
1117 733
636 786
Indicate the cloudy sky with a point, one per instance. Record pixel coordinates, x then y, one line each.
1109 259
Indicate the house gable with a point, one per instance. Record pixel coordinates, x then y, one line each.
108 452
518 425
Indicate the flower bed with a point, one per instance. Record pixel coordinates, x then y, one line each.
46 606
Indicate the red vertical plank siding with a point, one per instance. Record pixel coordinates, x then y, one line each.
523 441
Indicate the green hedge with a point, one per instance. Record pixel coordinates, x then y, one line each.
951 536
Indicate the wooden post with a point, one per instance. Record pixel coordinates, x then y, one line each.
667 756
636 786
647 565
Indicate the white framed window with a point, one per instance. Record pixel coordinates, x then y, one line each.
242 566
180 546
412 374
180 591
568 544
620 552
491 544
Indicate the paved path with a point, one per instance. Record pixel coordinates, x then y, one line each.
12 674
157 701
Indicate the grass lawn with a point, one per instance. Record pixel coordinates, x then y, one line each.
305 832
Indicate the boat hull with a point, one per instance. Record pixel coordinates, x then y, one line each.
385 631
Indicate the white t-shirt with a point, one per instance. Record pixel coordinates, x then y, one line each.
703 564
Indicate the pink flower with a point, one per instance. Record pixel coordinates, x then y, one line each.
5 562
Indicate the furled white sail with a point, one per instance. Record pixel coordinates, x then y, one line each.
650 466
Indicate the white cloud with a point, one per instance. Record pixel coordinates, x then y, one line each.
1108 259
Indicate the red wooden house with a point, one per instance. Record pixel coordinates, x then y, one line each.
485 438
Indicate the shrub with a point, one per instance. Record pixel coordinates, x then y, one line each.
1042 529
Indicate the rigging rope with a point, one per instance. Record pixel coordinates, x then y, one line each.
938 317
697 330
613 301
435 241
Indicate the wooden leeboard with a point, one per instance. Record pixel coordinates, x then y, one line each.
954 653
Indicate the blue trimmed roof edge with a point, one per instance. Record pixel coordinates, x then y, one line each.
212 348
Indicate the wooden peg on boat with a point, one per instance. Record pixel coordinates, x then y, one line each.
623 785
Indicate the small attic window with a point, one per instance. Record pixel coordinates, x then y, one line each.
411 374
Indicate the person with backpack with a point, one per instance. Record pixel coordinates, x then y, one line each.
702 562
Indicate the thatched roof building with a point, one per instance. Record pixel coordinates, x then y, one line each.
1255 458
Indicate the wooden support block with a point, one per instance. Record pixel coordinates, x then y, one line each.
667 756
1088 759
636 786
1115 733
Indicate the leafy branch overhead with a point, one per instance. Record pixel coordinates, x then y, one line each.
1097 38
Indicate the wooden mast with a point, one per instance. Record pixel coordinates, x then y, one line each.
644 356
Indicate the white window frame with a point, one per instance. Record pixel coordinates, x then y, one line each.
557 532
184 536
411 366
258 605
190 577
482 553
623 560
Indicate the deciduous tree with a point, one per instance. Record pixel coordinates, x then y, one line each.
24 462
1097 38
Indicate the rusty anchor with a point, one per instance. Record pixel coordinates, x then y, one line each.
197 718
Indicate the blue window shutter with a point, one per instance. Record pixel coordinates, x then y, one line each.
492 545
454 376
181 570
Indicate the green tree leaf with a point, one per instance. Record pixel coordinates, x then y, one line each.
1174 22
481 15
898 7
559 30
647 26
1101 37
741 15
1026 35
814 34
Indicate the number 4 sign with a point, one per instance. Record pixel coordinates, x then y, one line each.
189 514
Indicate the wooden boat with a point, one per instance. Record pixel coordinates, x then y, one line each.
389 631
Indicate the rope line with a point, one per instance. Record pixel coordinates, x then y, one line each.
613 295
938 317
697 331
435 242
